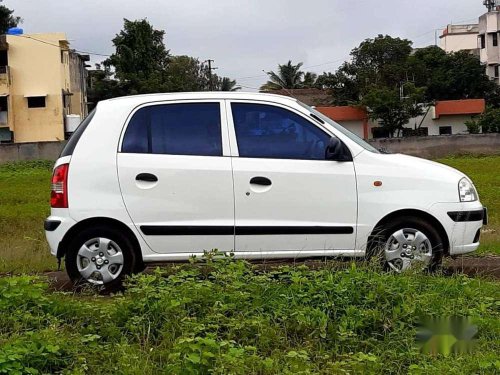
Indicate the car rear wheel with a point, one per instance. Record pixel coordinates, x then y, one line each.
100 256
408 243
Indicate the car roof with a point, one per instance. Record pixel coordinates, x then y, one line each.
219 95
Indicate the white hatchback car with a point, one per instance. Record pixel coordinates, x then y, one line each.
162 177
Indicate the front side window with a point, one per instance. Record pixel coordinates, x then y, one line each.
176 129
265 131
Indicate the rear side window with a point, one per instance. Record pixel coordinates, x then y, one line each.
75 137
175 129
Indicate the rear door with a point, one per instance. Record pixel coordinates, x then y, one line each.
175 176
288 198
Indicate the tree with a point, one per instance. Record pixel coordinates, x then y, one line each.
391 109
7 19
186 73
342 85
227 84
102 86
450 76
378 62
289 76
141 59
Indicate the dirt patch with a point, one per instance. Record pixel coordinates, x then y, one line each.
488 266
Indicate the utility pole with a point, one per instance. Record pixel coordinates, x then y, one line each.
210 81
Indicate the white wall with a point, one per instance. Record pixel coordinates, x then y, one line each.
457 123
355 127
458 42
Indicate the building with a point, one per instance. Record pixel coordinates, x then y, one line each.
354 119
309 96
460 37
42 87
481 38
489 27
444 118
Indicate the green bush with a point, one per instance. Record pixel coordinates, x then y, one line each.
473 126
488 122
225 316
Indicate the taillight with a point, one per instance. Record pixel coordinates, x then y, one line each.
59 187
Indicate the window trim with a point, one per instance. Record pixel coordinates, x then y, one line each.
223 123
232 130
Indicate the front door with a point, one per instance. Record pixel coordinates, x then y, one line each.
287 196
175 175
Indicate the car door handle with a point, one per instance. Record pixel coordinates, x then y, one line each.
264 181
146 177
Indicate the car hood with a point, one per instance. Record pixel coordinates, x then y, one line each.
425 167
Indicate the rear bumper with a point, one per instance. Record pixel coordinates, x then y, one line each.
55 229
462 222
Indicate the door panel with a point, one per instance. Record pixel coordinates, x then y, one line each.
176 179
190 208
286 197
311 205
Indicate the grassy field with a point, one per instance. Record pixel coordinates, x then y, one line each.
227 317
223 316
24 204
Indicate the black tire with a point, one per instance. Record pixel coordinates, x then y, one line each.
381 235
125 244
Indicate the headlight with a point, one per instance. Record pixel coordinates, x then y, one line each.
466 190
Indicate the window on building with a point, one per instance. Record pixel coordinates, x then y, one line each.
445 130
496 71
482 39
36 101
175 129
4 59
266 131
494 37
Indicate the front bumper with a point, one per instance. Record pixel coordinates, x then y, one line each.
462 222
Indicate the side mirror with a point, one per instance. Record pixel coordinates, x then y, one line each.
337 151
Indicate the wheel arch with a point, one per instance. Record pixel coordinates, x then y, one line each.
99 221
414 213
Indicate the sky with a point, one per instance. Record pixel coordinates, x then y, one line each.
248 37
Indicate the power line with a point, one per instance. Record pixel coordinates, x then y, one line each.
58 46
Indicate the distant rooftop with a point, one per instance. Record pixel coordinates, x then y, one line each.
461 29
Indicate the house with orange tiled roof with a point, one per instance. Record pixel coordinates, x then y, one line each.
444 118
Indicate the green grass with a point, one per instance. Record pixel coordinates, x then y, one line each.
226 317
24 204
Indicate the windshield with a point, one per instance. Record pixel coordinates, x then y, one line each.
353 137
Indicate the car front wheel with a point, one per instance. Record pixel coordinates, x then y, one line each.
409 243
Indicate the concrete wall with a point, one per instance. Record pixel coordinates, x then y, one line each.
30 151
426 147
439 146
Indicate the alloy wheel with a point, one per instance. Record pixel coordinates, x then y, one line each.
407 247
100 260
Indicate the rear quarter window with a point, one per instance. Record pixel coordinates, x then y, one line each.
75 137
175 129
